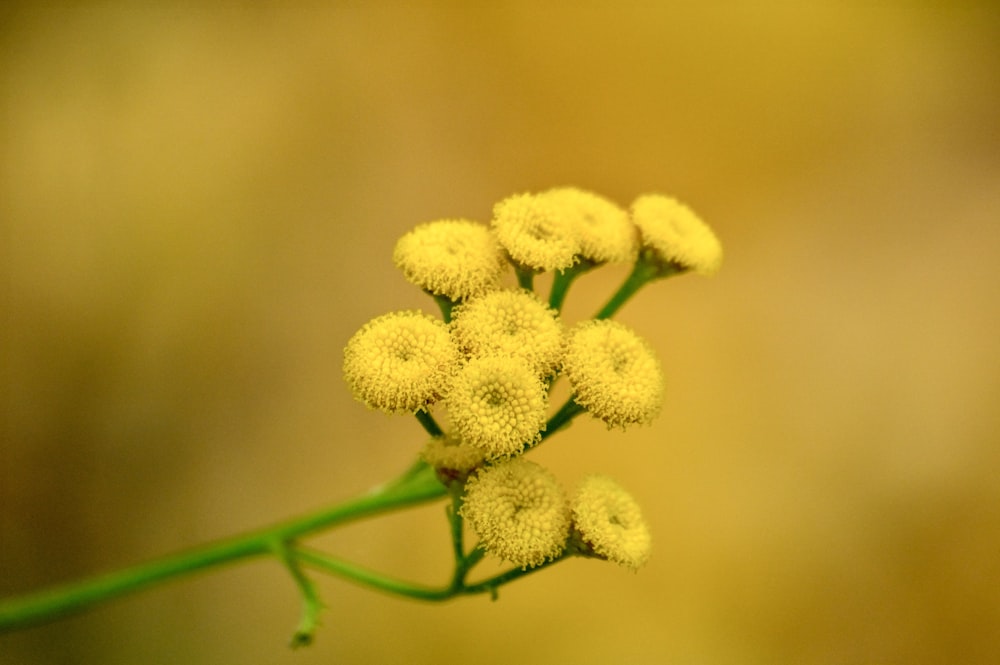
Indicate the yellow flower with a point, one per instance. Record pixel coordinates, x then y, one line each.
606 233
534 233
511 323
451 258
452 455
610 522
519 511
400 362
676 234
498 404
614 373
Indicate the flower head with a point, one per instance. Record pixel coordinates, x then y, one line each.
610 522
676 234
498 404
451 258
606 233
535 233
511 323
614 373
400 362
519 512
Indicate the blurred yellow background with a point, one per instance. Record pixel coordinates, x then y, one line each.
199 207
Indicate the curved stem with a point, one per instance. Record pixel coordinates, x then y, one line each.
418 485
446 305
365 577
564 278
369 578
311 604
646 269
525 277
492 584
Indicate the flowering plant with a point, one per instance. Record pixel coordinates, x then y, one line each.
486 368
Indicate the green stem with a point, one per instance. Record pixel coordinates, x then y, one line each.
371 579
363 576
312 606
525 277
492 584
463 562
562 417
646 269
427 420
417 485
446 305
457 527
562 281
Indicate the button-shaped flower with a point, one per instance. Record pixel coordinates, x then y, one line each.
606 234
510 323
519 511
676 234
614 373
535 233
456 259
400 362
609 522
498 404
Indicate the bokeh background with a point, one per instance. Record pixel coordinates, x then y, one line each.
199 207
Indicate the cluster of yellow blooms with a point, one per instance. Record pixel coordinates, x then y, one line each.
493 359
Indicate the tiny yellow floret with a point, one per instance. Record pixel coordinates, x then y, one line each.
610 522
498 404
519 511
510 323
607 234
455 258
676 234
400 362
534 233
614 373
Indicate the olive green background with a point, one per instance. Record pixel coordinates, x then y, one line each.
198 209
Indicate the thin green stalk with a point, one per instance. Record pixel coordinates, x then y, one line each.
562 417
417 485
492 584
563 279
457 525
472 558
463 562
646 269
427 420
525 277
365 577
446 305
369 578
312 606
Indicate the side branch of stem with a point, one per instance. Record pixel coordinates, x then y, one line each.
371 579
417 485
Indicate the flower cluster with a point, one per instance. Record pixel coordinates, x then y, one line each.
490 364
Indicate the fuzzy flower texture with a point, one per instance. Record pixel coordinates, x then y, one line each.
491 363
